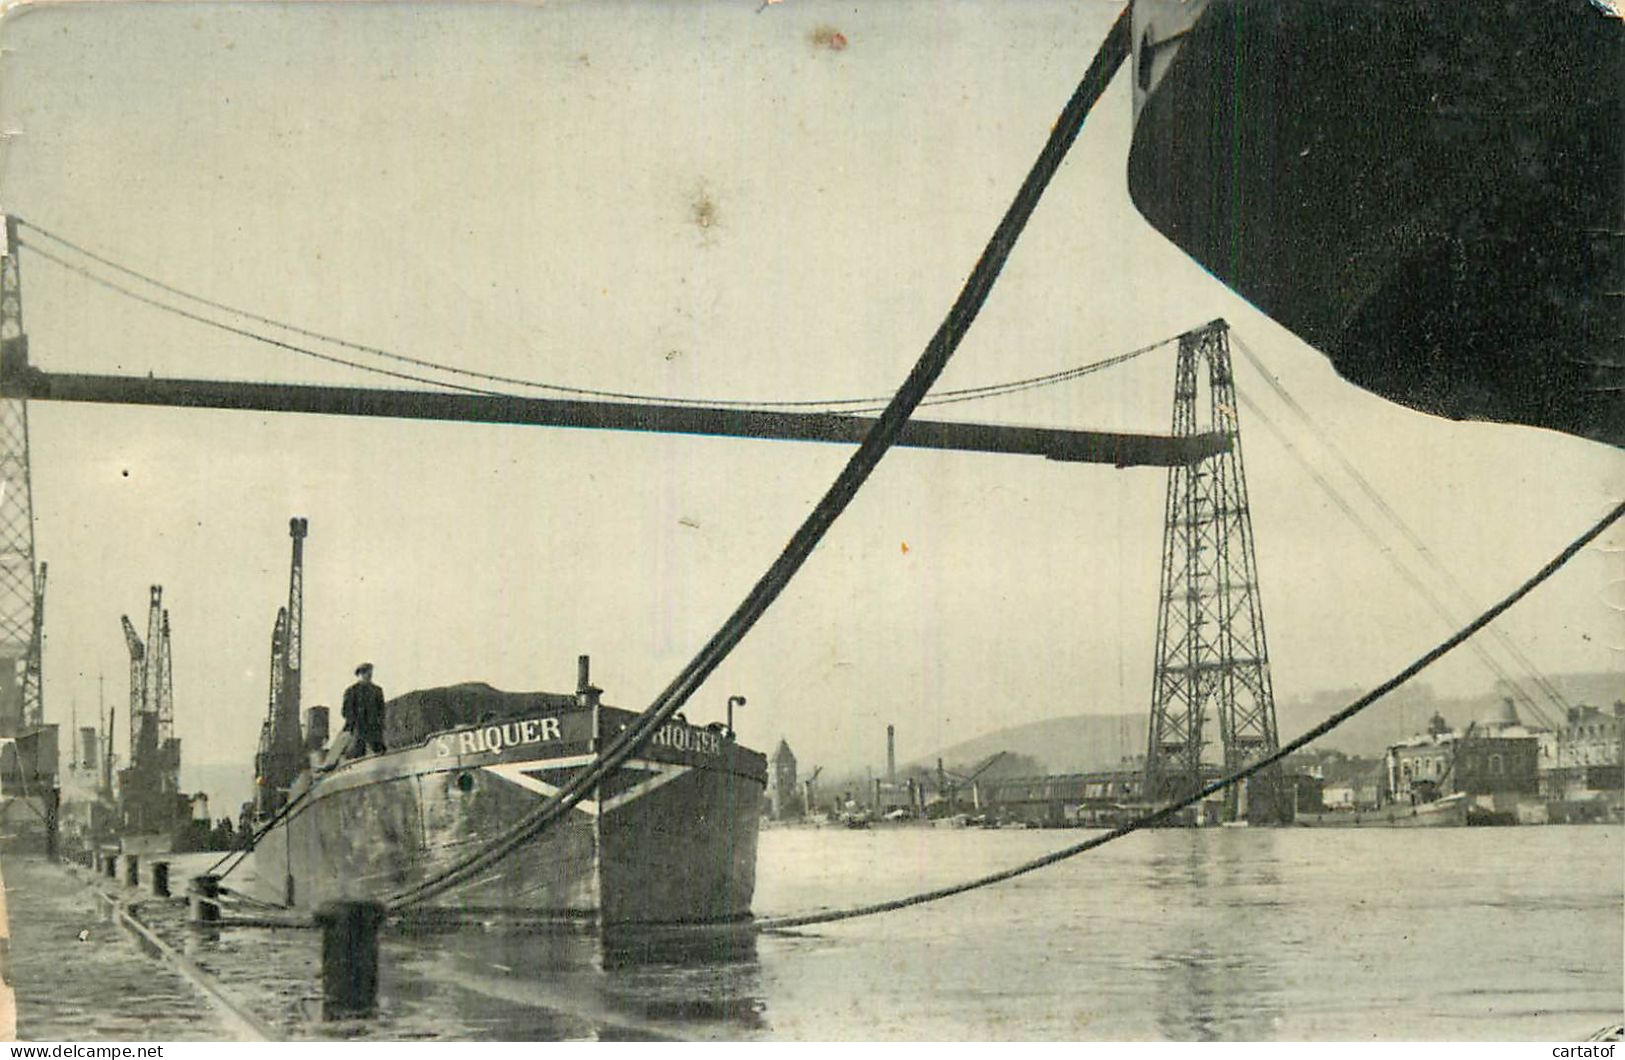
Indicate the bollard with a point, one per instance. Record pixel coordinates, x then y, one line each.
132 870
160 879
203 900
349 958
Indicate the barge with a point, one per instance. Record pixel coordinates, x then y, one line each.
669 838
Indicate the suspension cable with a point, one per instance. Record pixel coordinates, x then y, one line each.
1410 577
1111 54
873 403
994 390
1441 607
244 332
1501 636
1166 813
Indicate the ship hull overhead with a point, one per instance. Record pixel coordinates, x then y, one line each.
1429 193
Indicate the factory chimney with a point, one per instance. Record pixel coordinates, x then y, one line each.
586 692
891 754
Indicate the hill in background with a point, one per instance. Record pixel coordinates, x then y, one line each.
1077 743
1084 742
1080 743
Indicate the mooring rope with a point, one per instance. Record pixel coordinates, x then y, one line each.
1431 558
1111 54
259 834
1160 816
944 342
1149 820
1167 812
1411 578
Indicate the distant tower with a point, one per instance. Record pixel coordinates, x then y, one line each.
782 793
1504 715
891 754
1211 652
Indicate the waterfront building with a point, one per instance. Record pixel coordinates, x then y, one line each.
1494 761
891 796
1580 764
1358 789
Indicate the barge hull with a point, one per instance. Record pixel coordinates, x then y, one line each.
669 838
1450 812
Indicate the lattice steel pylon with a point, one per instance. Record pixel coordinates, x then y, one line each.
1211 651
22 584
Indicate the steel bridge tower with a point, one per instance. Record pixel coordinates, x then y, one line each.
1211 653
22 583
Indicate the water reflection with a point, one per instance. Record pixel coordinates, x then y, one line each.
1210 953
1218 934
652 984
200 941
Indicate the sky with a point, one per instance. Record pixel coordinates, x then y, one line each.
728 200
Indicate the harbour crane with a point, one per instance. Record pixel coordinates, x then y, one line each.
268 796
807 790
282 747
138 681
975 791
149 786
153 669
164 708
950 787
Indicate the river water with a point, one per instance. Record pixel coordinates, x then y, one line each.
1249 934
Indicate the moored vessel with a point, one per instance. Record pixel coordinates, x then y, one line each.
1452 811
668 838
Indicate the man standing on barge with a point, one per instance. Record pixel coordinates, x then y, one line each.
364 713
